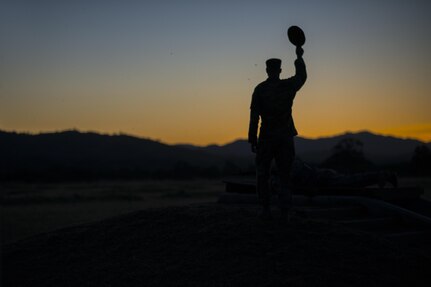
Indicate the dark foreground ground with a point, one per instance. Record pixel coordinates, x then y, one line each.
211 245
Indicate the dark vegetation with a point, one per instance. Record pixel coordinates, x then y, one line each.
348 157
421 161
72 155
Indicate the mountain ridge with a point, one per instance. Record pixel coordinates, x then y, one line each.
380 148
74 153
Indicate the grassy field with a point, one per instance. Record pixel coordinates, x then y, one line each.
28 209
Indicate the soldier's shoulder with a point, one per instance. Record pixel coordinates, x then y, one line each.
260 86
287 81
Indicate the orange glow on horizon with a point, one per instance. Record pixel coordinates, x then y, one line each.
417 132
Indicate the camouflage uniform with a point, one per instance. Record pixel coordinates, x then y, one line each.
272 101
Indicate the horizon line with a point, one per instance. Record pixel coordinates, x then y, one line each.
120 133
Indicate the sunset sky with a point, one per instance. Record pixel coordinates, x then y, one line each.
184 71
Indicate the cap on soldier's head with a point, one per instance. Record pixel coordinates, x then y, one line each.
273 64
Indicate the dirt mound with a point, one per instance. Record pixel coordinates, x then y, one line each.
210 245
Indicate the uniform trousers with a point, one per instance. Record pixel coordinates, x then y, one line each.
282 150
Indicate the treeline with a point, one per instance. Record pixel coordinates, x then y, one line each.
73 156
348 157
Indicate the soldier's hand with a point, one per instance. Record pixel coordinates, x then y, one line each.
253 148
299 52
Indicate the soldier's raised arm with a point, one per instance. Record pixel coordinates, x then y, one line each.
300 70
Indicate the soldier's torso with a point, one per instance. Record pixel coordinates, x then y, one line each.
275 105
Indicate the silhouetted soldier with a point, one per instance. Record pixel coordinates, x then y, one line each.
272 101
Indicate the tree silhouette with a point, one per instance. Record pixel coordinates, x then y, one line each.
348 157
421 160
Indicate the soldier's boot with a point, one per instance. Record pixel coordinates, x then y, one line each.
266 214
393 179
285 214
285 202
382 179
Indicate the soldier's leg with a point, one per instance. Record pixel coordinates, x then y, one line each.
264 156
284 156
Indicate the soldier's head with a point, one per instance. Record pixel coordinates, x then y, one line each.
273 68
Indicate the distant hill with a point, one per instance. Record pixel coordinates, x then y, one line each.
378 148
74 154
70 154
